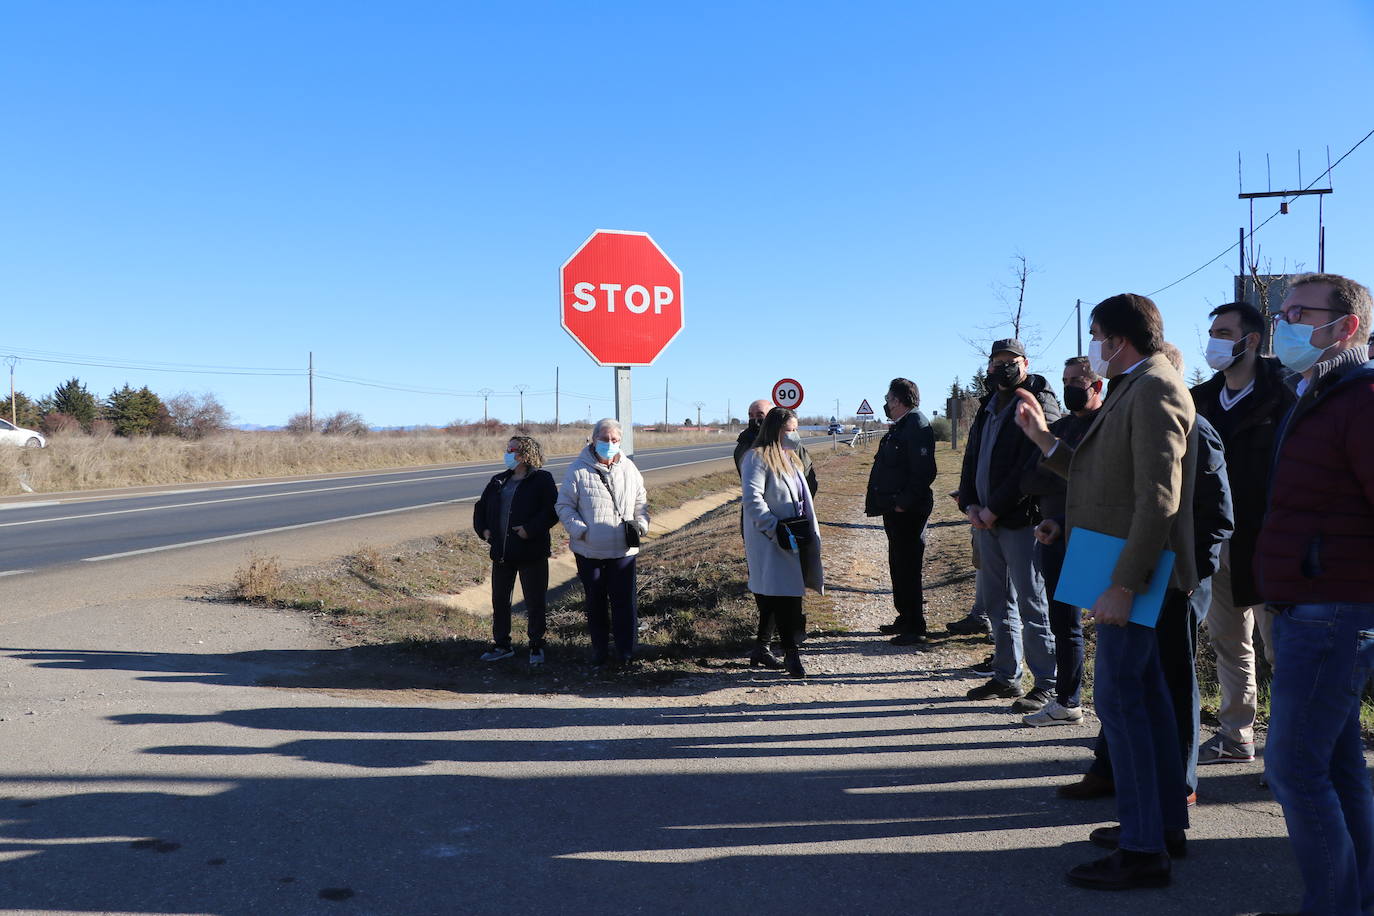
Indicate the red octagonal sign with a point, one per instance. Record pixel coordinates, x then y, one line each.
621 298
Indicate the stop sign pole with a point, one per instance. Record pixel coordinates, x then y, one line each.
620 298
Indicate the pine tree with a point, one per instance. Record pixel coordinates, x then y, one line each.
72 398
136 412
24 413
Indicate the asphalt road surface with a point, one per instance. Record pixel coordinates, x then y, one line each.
37 535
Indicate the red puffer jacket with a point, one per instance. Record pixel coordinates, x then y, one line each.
1317 543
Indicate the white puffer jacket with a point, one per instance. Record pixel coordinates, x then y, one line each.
595 523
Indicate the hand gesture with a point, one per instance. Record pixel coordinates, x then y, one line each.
1048 531
1031 419
520 530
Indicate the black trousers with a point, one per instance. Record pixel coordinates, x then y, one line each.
786 612
612 604
906 554
534 582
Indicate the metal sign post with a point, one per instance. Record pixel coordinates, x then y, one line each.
623 410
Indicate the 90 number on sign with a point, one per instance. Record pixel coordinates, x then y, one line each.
788 393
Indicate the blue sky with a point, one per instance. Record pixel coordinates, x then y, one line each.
394 186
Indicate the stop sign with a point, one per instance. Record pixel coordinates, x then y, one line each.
620 298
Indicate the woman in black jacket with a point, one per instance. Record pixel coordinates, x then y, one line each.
514 516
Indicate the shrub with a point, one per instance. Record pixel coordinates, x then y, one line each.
940 426
197 416
299 424
344 423
60 424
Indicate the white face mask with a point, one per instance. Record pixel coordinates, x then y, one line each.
1099 365
1222 353
1293 344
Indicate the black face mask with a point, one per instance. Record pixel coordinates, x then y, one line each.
1075 398
755 424
1007 376
887 411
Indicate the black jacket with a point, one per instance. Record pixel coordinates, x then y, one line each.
1012 456
1050 490
1249 460
1213 518
903 468
531 507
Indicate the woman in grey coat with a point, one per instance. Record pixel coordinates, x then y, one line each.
782 538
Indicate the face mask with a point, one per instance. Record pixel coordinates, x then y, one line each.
791 440
1222 353
1293 344
1008 376
607 450
887 411
1099 365
755 424
1075 398
511 460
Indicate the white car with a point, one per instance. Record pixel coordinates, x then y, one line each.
17 435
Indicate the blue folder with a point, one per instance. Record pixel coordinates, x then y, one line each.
1088 564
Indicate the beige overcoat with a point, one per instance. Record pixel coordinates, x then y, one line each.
1132 474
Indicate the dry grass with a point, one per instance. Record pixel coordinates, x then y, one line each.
80 462
692 596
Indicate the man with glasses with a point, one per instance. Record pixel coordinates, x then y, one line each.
1002 514
1245 401
1313 563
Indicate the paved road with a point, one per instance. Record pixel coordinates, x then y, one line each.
38 535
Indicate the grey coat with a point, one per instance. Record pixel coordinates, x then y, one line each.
774 569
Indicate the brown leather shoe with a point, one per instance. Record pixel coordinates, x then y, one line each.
1090 786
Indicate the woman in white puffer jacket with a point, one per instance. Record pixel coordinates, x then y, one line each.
601 502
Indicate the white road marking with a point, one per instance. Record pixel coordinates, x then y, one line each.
250 534
14 572
232 499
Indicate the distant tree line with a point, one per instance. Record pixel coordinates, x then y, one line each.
127 411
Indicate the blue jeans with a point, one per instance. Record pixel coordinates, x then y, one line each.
1138 720
1014 590
1324 654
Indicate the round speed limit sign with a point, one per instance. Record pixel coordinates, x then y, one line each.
788 393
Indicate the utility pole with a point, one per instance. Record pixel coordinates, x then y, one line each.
14 414
699 405
522 389
1078 322
729 416
485 393
665 405
557 425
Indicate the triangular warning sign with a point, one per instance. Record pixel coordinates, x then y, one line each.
864 410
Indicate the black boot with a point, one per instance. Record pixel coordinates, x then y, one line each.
761 655
791 660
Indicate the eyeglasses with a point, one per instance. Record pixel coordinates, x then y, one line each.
1001 365
1293 314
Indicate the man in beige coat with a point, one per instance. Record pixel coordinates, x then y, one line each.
1131 477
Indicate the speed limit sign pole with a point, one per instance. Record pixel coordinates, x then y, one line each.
788 393
620 298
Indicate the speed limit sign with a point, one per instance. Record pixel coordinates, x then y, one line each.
788 393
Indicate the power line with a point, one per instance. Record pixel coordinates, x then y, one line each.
1239 241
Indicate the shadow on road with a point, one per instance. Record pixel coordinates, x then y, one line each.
637 829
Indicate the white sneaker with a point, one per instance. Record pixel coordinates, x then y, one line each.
536 657
1054 714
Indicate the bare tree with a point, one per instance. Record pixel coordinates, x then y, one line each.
344 423
195 416
1013 316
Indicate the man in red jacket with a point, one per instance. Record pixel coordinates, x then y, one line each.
1313 564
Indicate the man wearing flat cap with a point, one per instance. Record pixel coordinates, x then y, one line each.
1003 519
